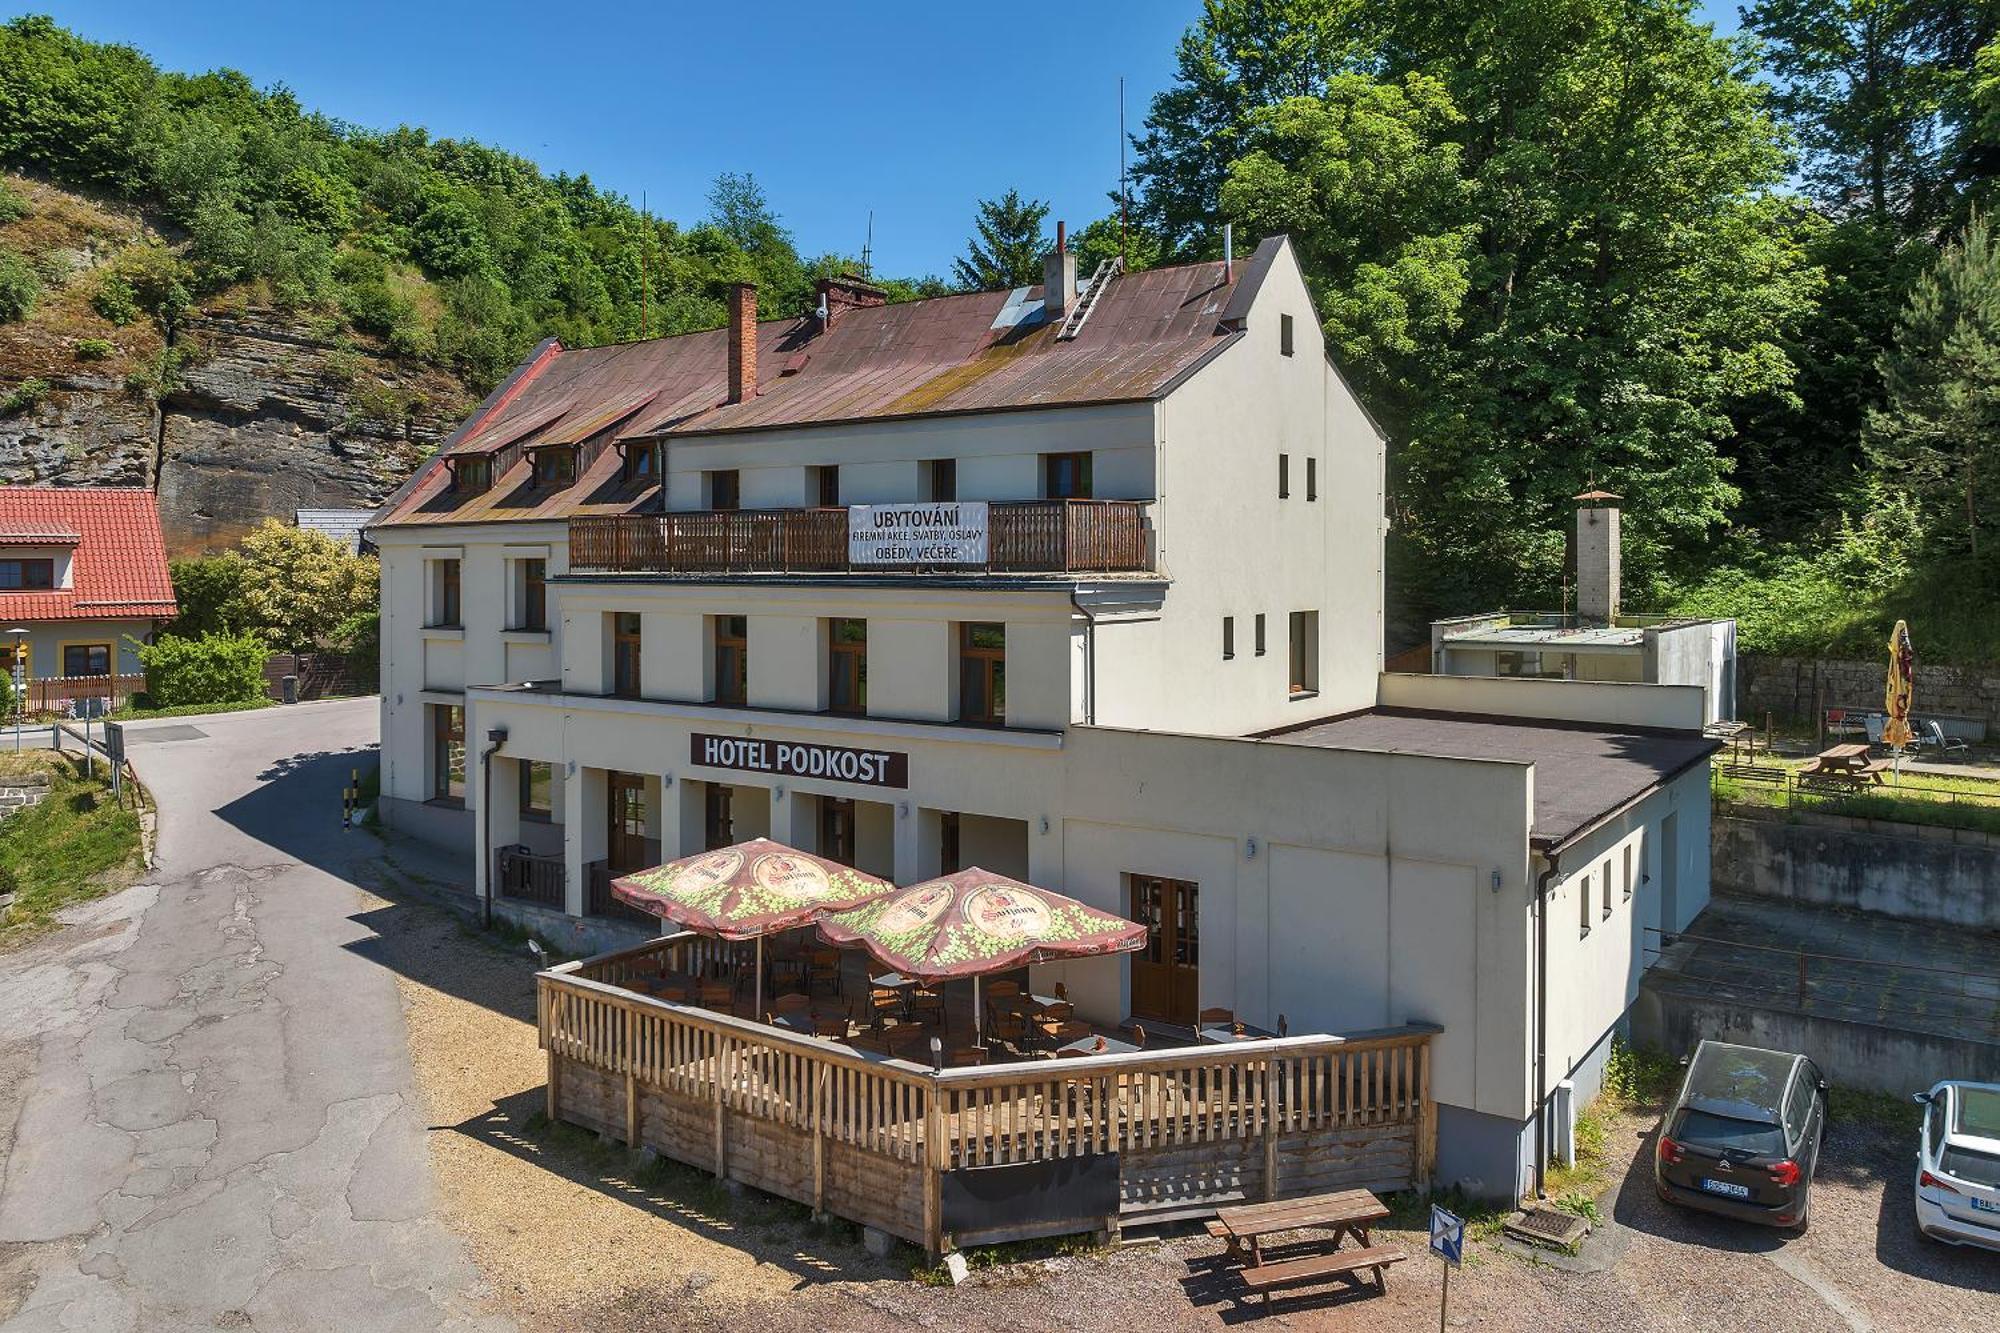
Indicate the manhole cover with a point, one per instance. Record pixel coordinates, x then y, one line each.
1547 1226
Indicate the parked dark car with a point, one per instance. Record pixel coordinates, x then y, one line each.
1743 1136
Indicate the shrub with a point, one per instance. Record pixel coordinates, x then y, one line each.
210 593
20 286
12 206
213 669
94 349
24 396
115 300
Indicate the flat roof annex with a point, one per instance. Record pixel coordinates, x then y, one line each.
1583 772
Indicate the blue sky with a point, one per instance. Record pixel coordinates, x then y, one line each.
912 108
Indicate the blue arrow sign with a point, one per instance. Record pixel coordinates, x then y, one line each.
1447 1235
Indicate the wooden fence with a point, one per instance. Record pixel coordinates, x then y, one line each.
1029 536
901 1147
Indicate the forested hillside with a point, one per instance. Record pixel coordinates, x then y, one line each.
1740 281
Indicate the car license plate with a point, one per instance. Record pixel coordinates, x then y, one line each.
1729 1187
1985 1206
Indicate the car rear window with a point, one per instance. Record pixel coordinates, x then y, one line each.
1707 1130
1970 1165
1743 1074
1978 1112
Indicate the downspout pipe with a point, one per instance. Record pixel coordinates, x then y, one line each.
1542 1021
495 738
1089 660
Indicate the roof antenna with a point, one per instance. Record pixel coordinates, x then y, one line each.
643 228
1228 250
868 247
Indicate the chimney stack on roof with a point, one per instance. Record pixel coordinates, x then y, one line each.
849 291
1597 547
1059 276
742 341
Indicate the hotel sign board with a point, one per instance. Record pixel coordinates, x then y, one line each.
947 533
800 759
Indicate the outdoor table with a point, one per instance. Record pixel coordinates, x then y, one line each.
1111 1046
1343 1212
799 1023
1222 1034
1849 762
899 983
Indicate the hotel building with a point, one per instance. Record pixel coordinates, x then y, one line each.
1080 585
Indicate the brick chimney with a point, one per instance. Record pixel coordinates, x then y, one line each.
742 341
1058 275
849 291
1597 549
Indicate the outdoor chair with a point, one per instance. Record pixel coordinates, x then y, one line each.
1284 1026
1069 1032
792 1002
825 968
966 1055
1943 743
719 996
926 1004
884 1004
1003 994
1211 1018
1008 1028
1138 1034
834 1026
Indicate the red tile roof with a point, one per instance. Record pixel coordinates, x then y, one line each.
984 352
119 566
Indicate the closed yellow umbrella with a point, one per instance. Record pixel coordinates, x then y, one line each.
1902 688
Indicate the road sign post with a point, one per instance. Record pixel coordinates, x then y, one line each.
1448 1244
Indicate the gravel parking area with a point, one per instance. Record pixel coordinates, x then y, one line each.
572 1238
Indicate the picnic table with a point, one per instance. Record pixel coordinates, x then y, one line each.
1846 763
1345 1213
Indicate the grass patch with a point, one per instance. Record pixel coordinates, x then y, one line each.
1939 800
130 714
1635 1079
78 844
1886 1111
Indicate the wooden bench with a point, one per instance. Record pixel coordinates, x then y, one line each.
1293 1272
1752 772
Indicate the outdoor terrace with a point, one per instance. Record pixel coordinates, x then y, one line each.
970 1155
1024 537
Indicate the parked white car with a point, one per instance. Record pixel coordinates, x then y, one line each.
1958 1164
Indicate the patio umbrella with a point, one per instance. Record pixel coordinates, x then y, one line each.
973 922
748 891
1896 731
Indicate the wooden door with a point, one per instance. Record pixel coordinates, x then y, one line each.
626 846
1166 973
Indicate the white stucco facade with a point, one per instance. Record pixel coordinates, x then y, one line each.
1340 888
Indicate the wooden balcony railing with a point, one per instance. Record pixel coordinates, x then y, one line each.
1025 537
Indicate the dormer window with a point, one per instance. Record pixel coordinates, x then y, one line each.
470 476
642 461
27 573
555 466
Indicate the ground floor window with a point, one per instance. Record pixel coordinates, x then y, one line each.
1166 973
719 820
836 829
948 854
447 752
86 659
538 790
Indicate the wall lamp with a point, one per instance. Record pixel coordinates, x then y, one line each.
1249 849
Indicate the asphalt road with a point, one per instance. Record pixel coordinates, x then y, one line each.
206 1100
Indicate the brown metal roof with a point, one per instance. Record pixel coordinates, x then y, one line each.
1583 772
951 354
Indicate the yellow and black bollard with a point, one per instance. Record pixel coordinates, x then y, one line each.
348 796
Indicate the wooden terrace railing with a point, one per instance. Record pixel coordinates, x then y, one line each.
1025 537
530 878
896 1146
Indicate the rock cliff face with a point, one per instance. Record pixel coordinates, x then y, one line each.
262 419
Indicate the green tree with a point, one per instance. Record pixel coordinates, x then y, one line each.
1110 236
299 585
1007 246
1938 435
1879 93
209 592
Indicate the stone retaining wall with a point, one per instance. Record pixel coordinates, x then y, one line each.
1792 687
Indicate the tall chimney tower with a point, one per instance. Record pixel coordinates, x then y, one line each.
1597 546
742 341
1058 275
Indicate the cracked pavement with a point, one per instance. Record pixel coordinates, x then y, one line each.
207 1107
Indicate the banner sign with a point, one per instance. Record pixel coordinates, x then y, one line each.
949 533
800 759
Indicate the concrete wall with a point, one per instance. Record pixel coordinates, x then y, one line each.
1792 687
1702 654
1865 1056
1940 875
1680 707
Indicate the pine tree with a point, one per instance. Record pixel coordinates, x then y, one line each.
1939 434
1007 249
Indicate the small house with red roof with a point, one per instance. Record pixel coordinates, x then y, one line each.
83 572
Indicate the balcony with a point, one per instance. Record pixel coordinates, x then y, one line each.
1025 537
